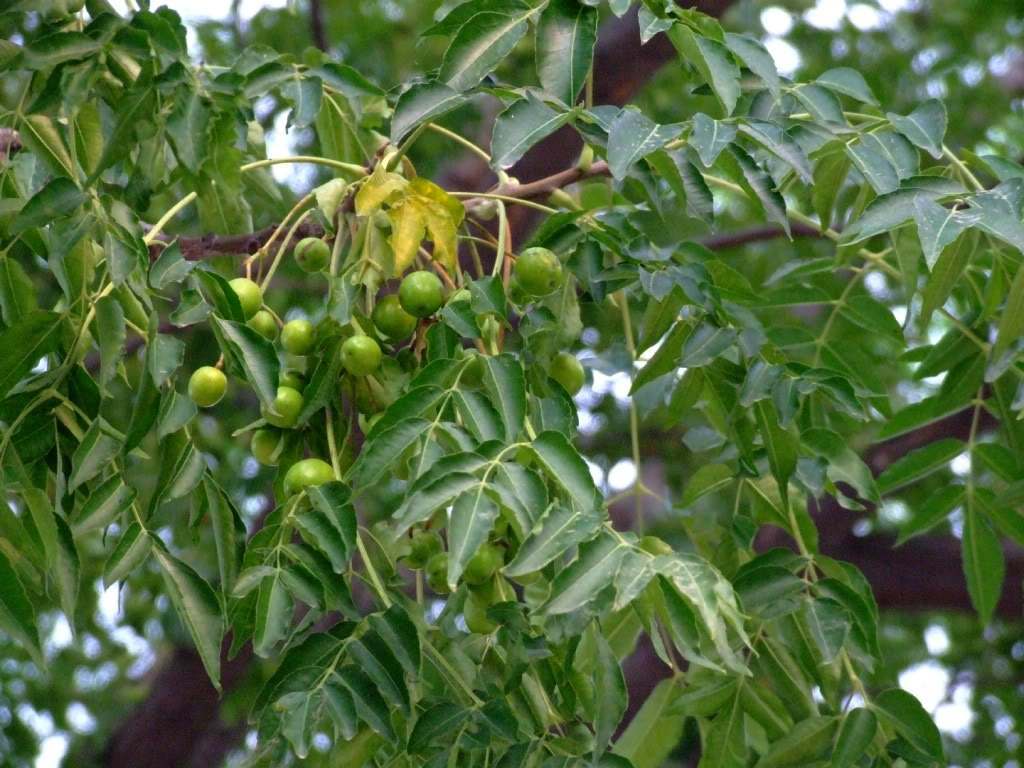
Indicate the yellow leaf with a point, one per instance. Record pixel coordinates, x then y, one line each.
407 230
442 230
377 189
428 189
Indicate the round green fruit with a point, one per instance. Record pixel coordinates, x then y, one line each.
538 271
567 371
437 573
423 546
264 324
292 379
264 446
312 254
421 293
391 320
474 611
655 546
306 474
298 337
360 355
207 386
483 565
286 408
249 295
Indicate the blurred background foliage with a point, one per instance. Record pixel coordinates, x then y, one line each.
967 52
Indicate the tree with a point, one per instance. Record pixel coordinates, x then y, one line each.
436 577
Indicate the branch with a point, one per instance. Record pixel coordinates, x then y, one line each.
316 23
206 246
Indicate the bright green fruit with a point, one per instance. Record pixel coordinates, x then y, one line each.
391 320
298 337
249 295
264 446
483 565
423 546
264 324
655 546
360 355
421 293
474 611
538 271
292 379
305 474
207 386
312 254
286 408
567 371
437 573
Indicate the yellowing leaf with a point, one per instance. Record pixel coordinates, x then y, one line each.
376 190
425 210
407 231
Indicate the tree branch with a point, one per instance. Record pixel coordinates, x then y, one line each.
316 24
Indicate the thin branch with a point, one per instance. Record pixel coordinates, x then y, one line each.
316 24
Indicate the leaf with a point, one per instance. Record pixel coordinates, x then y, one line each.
829 175
665 359
254 354
779 444
17 616
844 465
566 33
170 267
104 505
705 344
228 532
558 531
566 467
655 729
854 738
932 512
420 103
379 187
806 741
632 136
710 137
925 127
24 344
984 563
305 93
505 384
383 450
919 463
776 141
186 129
375 659
712 60
759 187
828 625
93 454
110 334
17 294
40 135
323 382
59 198
166 354
521 126
331 524
371 707
66 571
820 103
422 504
612 699
590 573
905 713
481 44
874 167
1011 323
274 609
129 553
848 82
998 212
947 270
707 479
937 227
437 723
472 518
756 58
400 634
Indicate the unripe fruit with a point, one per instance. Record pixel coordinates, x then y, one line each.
391 320
292 379
655 546
423 546
437 573
298 337
474 611
312 254
264 446
207 386
249 295
538 271
305 474
360 355
264 324
286 408
567 371
421 293
483 565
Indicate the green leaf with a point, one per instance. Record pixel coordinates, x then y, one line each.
848 82
330 525
821 103
828 625
589 574
874 167
984 563
129 553
903 712
323 382
255 356
756 58
713 61
383 450
228 532
707 479
505 384
632 136
998 211
181 469
274 609
197 606
399 632
374 658
945 274
472 518
932 512
807 741
17 294
59 198
854 738
612 699
66 572
566 467
775 140
655 729
558 531
170 268
17 616
305 93
829 174
110 334
521 126
666 358
844 465
93 454
105 504
925 127
919 463
371 707
779 444
437 723
1011 323
166 354
937 227
481 44
41 136
710 137
186 129
420 103
705 344
566 33
23 344
422 504
758 185
478 415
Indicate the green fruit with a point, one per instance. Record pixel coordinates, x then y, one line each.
423 546
264 324
360 355
298 337
538 271
249 295
312 254
305 474
207 386
391 320
655 546
421 293
292 379
286 408
567 371
264 446
437 573
474 611
483 565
